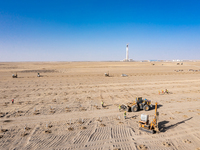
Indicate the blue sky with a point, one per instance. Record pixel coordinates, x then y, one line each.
94 30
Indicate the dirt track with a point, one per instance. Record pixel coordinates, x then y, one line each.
62 109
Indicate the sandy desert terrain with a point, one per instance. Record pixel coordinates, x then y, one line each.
62 109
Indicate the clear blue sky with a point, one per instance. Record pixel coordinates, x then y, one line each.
98 30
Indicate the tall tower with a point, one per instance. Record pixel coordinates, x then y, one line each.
127 53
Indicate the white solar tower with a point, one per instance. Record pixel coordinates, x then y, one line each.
127 59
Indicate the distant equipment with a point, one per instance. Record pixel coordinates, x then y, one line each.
38 75
14 75
124 75
144 124
106 74
179 63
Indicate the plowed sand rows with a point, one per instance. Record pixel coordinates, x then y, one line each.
62 109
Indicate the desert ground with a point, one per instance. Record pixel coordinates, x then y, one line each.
62 108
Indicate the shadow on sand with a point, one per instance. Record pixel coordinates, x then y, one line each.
164 128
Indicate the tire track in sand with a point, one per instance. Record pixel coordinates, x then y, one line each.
29 136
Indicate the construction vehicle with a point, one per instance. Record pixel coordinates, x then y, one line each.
152 127
106 74
124 75
139 104
14 75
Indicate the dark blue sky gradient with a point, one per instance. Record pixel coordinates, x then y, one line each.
92 30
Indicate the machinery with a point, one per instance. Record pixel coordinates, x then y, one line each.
124 75
14 75
152 127
38 75
137 105
106 74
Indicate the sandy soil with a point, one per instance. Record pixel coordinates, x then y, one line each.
62 109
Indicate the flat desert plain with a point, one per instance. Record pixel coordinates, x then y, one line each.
62 108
